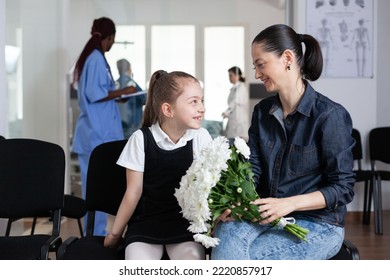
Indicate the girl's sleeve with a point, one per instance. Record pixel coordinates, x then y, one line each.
133 154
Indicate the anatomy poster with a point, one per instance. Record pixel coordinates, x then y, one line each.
344 29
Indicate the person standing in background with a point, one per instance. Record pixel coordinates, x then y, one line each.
131 111
99 120
237 112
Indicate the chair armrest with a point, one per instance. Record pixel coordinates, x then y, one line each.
50 245
352 249
62 249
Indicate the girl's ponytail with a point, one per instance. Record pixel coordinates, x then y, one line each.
151 113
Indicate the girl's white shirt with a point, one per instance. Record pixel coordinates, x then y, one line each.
133 154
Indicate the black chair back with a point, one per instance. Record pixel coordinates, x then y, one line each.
31 177
365 176
380 144
379 139
106 185
357 149
32 174
106 181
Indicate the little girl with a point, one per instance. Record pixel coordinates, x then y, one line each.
156 157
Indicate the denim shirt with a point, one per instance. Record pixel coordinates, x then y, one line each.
310 150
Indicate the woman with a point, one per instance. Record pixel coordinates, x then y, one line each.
237 112
301 153
99 119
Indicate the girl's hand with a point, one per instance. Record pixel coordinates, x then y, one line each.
112 241
224 217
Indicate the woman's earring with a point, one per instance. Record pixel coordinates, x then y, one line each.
288 67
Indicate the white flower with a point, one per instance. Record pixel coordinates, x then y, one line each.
206 240
211 185
195 186
242 147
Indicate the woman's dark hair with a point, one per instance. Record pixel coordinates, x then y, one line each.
101 29
164 87
279 37
236 70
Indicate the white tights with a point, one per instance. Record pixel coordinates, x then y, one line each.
189 250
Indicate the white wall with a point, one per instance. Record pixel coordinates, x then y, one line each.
383 65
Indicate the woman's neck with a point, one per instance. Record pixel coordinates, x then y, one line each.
291 97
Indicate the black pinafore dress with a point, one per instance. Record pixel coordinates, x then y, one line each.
157 218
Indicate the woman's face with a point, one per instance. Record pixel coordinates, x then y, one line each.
108 42
269 68
233 77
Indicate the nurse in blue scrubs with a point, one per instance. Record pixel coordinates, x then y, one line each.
99 119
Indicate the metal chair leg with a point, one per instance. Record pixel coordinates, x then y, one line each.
366 208
33 225
9 224
377 194
80 228
367 202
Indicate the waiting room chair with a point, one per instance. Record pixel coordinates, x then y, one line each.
348 251
362 175
32 174
74 208
379 142
106 185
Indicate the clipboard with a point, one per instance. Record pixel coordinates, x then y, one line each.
124 96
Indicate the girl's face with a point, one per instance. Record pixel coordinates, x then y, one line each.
188 111
269 68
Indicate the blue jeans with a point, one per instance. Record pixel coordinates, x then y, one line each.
251 241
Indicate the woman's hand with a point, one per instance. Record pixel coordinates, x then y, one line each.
273 208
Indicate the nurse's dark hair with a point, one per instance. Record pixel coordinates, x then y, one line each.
280 37
236 70
164 87
101 29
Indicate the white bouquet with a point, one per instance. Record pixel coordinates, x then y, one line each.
221 178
